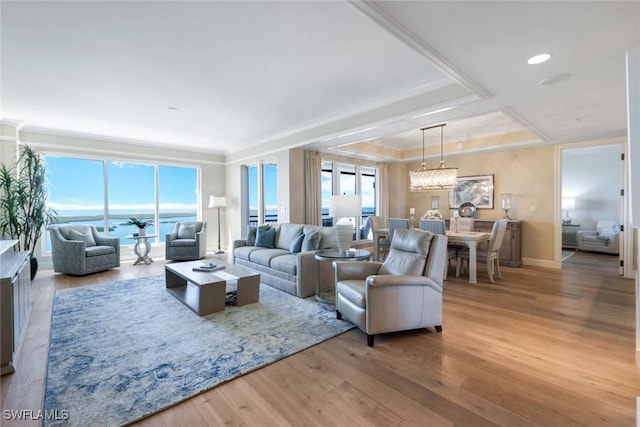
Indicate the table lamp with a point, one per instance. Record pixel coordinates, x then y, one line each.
344 207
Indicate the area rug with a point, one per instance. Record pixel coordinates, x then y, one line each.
123 351
567 254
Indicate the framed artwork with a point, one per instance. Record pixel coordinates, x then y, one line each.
473 189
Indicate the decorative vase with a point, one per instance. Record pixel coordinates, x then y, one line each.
142 232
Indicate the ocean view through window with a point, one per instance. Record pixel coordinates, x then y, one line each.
78 189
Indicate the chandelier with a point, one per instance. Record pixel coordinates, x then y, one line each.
441 178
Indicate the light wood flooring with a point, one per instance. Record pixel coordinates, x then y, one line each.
537 348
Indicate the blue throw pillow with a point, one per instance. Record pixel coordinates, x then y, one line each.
311 241
252 233
296 244
266 238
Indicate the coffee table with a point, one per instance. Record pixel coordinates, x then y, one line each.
206 292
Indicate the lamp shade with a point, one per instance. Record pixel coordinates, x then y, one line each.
345 205
568 203
217 201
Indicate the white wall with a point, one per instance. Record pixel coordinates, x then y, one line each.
593 176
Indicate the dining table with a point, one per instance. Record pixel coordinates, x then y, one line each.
471 240
468 238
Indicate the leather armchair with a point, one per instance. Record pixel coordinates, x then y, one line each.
187 241
403 293
79 249
605 238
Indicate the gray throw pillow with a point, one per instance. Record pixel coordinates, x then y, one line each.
311 241
187 231
85 236
266 238
296 244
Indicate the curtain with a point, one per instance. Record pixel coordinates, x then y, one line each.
312 185
383 183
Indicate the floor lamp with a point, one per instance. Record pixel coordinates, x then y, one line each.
218 202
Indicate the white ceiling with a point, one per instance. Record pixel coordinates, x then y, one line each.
281 74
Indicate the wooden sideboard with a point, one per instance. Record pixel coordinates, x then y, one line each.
14 302
511 249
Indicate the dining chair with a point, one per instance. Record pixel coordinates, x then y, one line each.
463 224
397 223
384 244
490 254
438 226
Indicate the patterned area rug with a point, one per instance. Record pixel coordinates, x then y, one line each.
123 351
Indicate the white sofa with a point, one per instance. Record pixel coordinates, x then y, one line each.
605 238
295 273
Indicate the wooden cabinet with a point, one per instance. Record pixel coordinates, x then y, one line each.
511 249
14 302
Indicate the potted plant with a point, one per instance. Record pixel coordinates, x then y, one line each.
141 224
23 200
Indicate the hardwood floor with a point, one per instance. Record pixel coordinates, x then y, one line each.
537 348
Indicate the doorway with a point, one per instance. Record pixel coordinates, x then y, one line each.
592 177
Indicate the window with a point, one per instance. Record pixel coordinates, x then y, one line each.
340 178
164 193
262 193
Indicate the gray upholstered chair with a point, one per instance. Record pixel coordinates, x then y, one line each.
187 241
489 253
404 292
79 249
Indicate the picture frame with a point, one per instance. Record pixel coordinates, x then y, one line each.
476 189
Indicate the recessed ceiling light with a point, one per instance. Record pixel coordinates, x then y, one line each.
172 108
539 59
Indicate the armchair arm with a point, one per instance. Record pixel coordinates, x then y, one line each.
358 270
67 255
169 237
404 280
201 241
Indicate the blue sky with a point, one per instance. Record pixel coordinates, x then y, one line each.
78 185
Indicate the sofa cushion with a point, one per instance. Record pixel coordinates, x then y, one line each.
296 244
328 235
83 234
285 263
266 238
286 234
243 252
264 256
311 241
99 250
182 243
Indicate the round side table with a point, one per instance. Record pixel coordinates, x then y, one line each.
142 252
328 295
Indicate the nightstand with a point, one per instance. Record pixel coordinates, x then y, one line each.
569 233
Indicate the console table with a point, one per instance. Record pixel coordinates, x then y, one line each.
15 278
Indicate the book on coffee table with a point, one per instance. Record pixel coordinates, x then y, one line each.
208 267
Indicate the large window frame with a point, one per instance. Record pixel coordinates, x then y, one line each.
158 210
260 206
345 178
